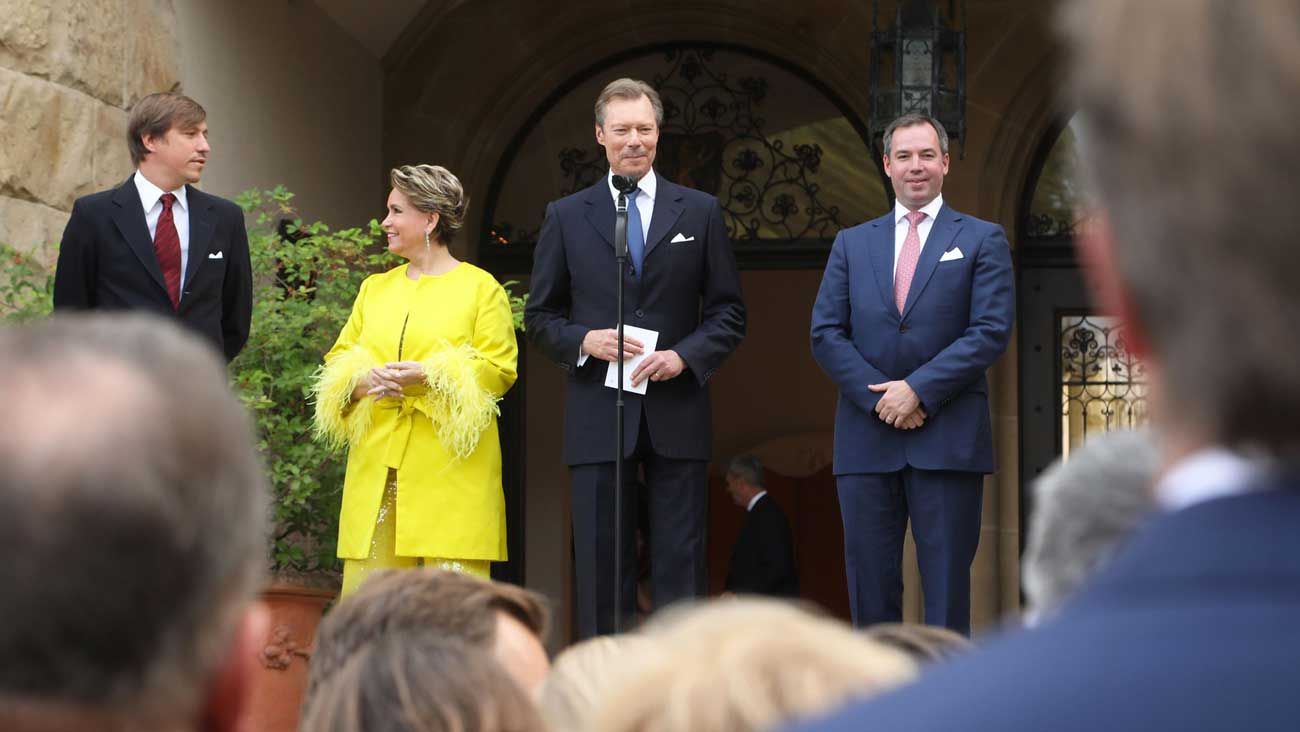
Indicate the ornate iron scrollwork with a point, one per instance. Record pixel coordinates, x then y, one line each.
1103 384
1046 226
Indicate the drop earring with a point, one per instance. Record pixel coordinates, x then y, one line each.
427 246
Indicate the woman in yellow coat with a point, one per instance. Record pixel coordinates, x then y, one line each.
411 388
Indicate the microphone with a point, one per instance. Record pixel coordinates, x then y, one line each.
624 184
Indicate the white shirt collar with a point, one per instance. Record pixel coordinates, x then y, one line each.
648 184
931 210
150 193
1204 475
754 500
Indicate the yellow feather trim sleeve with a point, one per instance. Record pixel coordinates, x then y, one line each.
457 404
336 425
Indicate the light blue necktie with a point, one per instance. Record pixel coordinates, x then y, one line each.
635 234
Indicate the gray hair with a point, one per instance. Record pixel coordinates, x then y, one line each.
1084 509
748 468
631 89
133 516
1204 227
434 190
911 120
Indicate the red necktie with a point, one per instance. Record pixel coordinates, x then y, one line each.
167 247
907 257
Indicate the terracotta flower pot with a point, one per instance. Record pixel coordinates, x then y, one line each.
277 692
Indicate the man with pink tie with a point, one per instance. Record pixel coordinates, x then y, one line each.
913 308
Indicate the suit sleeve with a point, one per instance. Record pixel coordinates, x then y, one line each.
546 317
722 310
992 311
832 334
237 292
74 276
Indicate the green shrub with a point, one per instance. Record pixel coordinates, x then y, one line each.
26 283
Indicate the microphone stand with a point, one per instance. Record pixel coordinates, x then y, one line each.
620 256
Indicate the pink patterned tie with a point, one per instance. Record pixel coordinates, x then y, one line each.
907 259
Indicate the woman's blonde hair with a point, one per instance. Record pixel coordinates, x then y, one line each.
434 190
748 664
583 675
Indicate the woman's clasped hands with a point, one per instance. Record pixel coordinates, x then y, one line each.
390 380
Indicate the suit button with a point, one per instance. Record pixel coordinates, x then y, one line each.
902 328
640 313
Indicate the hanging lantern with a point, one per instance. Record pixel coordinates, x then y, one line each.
918 65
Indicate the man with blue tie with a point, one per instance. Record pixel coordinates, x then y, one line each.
913 308
681 283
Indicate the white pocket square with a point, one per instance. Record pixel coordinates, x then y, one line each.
217 255
679 239
950 255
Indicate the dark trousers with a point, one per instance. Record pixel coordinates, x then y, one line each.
676 498
945 510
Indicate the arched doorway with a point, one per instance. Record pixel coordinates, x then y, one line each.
791 166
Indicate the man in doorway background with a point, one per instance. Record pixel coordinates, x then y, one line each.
913 308
762 560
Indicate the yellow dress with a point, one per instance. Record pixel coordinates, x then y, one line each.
435 452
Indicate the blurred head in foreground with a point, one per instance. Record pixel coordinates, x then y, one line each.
133 529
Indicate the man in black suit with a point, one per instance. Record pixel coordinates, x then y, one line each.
157 243
1188 112
681 283
762 560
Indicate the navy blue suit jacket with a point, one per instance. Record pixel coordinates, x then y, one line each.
955 324
1192 627
689 292
107 262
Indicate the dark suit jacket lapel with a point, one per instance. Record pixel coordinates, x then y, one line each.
880 249
129 219
201 227
600 210
668 208
946 226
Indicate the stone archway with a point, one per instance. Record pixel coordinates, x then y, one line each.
466 77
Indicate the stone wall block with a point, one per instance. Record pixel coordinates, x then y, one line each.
25 35
109 158
152 56
32 226
90 48
48 134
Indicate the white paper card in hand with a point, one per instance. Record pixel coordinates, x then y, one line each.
648 340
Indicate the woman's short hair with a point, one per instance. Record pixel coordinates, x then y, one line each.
748 664
419 682
434 190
